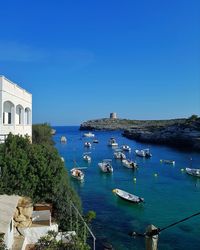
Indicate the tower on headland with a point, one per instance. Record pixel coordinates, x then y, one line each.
113 115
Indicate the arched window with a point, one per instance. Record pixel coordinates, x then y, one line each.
8 113
19 115
27 116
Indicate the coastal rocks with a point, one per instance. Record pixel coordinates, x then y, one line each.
180 135
23 213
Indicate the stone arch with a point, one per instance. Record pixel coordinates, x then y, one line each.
19 115
27 116
8 113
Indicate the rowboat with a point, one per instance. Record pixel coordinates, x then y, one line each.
127 196
193 171
129 164
167 161
106 166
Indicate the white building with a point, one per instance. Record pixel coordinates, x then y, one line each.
15 109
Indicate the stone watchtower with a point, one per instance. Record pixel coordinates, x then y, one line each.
113 115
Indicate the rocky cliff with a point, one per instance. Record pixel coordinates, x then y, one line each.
183 133
123 124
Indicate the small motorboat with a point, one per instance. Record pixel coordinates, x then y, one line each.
77 174
89 134
167 161
119 155
127 196
106 166
112 142
193 171
63 139
129 164
87 144
87 157
95 141
126 148
143 153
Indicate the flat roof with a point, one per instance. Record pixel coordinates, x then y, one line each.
8 204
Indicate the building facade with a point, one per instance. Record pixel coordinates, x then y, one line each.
15 109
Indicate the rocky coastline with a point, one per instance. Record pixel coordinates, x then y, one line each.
181 133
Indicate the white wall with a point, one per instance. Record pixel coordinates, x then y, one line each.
33 234
9 237
17 96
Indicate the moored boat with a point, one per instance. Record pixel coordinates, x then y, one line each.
167 161
77 174
63 139
193 171
106 166
87 157
127 196
95 141
129 163
89 134
87 144
126 148
119 155
143 153
112 142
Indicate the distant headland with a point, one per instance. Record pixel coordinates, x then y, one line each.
184 132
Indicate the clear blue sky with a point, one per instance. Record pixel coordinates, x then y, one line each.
84 59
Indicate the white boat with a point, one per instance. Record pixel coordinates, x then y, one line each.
167 161
127 196
126 148
63 139
106 166
112 142
77 174
143 153
119 155
95 141
87 157
129 164
193 171
87 144
89 134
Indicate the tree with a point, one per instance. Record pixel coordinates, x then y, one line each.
41 134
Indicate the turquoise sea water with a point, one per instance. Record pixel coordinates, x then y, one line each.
171 196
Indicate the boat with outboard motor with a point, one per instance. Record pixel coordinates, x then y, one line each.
87 157
119 155
193 171
112 142
126 148
77 173
143 153
127 196
87 144
129 163
106 166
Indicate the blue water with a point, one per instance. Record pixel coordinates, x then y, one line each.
171 196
